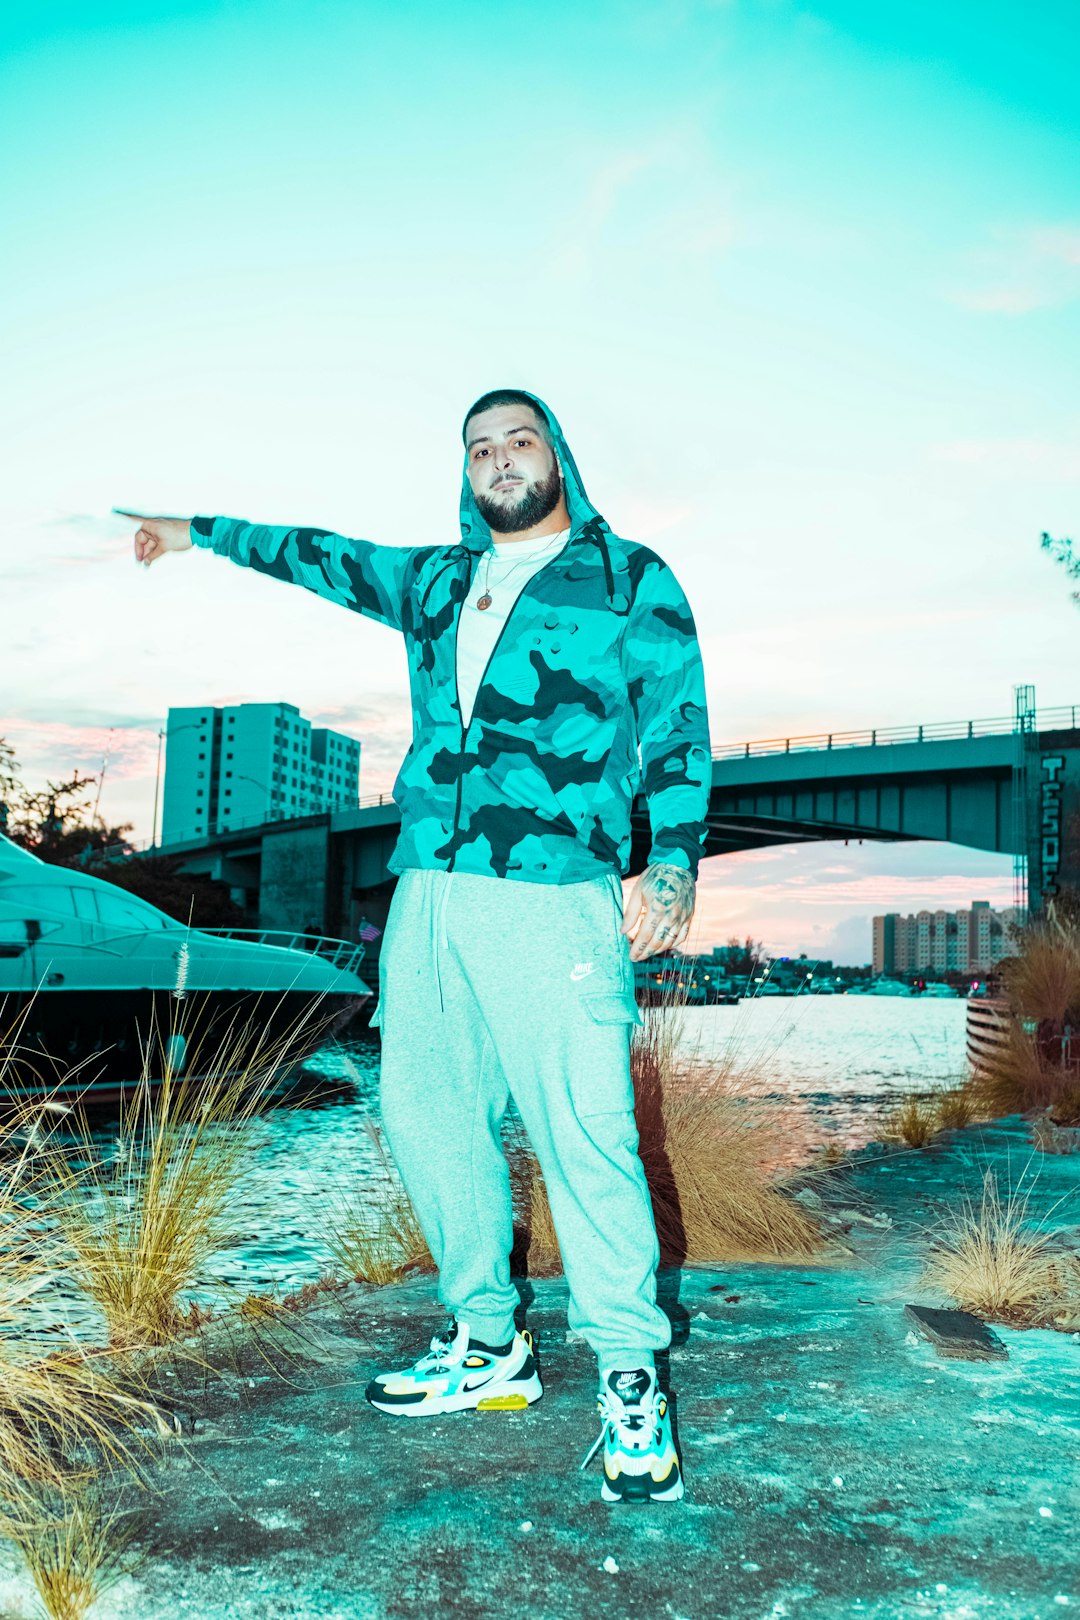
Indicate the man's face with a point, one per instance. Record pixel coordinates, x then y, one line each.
512 469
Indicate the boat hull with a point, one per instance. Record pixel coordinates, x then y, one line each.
94 1044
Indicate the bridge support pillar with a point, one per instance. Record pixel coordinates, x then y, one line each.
292 878
1053 818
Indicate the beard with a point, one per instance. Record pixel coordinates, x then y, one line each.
510 517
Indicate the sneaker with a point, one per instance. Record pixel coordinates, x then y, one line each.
640 1460
456 1376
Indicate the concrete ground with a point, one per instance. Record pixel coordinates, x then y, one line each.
835 1465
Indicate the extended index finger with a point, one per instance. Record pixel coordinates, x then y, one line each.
147 517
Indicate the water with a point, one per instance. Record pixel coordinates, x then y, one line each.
837 1061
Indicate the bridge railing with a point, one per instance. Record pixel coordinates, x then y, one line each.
1065 718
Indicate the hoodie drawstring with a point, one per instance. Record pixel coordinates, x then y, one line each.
594 531
453 557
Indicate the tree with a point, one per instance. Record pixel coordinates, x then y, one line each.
741 956
1062 552
57 826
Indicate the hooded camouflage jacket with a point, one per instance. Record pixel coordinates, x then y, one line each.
598 655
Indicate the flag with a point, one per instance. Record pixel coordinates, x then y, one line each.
368 932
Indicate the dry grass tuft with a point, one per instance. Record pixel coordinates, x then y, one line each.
992 1262
142 1216
914 1120
1042 981
1014 1079
377 1240
1037 1065
1065 1109
63 1416
74 1549
956 1108
710 1143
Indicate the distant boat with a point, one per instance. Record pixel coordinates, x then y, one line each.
887 987
941 990
86 969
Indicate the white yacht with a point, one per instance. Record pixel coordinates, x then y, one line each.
89 976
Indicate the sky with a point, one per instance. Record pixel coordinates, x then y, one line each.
801 283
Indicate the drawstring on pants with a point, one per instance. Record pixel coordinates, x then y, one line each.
438 924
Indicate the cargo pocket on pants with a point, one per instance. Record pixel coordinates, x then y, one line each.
613 1007
604 1086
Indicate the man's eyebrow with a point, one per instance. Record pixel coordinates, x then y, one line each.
525 428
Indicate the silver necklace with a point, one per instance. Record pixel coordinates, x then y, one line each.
485 600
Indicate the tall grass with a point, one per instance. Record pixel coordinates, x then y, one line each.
991 1260
376 1239
141 1215
74 1547
1035 1066
63 1417
918 1118
711 1143
132 1223
1042 981
914 1120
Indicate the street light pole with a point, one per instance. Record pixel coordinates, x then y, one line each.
157 789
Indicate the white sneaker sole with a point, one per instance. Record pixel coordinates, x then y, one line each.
672 1494
496 1396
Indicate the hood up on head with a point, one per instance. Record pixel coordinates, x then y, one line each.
586 523
474 529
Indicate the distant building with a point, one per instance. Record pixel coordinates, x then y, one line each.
251 762
970 941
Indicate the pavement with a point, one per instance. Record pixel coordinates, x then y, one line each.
835 1464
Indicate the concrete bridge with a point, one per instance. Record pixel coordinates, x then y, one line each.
1011 785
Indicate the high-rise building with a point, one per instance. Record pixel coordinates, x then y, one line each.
969 941
251 762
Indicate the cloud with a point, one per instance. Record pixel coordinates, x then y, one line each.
1019 270
1014 457
662 199
38 543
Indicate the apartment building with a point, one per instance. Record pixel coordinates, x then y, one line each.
251 762
967 941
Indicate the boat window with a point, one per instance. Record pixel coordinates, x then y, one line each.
13 930
125 911
85 904
48 898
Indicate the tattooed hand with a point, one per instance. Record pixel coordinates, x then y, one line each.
662 902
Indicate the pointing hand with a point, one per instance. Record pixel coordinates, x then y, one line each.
156 535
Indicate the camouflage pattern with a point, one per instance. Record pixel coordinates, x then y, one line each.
599 655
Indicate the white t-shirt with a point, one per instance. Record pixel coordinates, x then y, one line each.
504 572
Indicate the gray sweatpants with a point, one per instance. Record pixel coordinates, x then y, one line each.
489 989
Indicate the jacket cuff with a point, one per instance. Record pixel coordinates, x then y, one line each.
678 856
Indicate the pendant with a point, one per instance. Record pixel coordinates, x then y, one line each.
485 601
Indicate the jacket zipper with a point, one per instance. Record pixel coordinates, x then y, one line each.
483 678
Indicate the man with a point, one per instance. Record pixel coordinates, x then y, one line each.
543 651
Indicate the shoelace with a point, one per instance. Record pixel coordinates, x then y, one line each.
625 1420
441 1352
